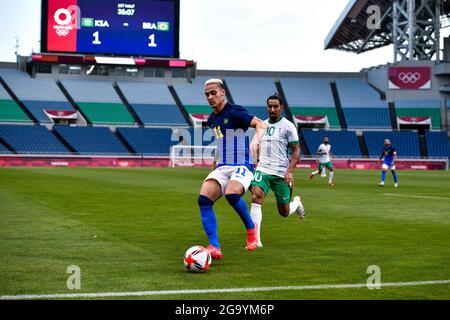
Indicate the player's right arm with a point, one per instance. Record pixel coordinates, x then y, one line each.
260 127
381 156
318 154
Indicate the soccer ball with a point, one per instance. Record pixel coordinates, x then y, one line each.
197 259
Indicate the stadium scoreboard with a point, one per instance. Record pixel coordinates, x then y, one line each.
111 27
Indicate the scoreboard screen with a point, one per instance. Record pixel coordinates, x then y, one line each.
111 27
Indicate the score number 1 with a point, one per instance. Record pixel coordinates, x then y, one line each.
97 41
96 36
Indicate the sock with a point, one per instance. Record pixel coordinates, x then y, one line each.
315 172
256 215
383 176
209 219
394 174
330 179
239 204
293 206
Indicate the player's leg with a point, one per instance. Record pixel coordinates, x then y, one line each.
283 195
239 182
319 170
260 187
256 210
330 178
394 175
210 191
383 175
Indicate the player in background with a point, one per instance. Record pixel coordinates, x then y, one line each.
233 168
324 157
388 155
275 171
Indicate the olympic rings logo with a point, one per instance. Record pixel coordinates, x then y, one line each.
409 77
62 32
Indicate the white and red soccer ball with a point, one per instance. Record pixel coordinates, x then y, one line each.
197 259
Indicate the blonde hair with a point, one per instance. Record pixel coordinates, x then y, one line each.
215 81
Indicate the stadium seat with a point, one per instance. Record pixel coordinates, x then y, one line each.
357 93
149 141
420 108
343 143
192 96
99 101
360 118
331 114
3 149
31 139
37 108
308 92
152 102
437 144
9 110
251 91
91 140
405 142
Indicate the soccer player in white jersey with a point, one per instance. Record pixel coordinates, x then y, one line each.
324 157
275 170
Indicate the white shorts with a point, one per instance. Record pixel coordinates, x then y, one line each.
224 174
386 167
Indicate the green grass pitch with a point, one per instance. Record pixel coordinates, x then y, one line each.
127 230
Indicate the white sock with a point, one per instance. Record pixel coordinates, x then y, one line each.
330 179
293 206
315 172
256 215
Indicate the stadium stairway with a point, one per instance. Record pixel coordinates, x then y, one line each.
127 104
287 111
72 101
422 146
228 92
338 105
180 106
393 115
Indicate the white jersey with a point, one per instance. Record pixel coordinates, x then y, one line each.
273 155
324 152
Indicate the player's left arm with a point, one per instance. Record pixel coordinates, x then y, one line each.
260 127
331 155
289 176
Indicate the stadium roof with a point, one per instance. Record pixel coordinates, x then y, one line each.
350 32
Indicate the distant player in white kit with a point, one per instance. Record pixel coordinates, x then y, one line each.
275 170
324 157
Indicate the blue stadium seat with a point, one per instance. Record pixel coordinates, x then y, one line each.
152 102
437 144
91 140
360 118
308 92
31 139
251 91
167 115
405 142
357 93
3 149
148 141
343 143
37 108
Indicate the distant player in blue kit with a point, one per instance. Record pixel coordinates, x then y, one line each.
233 166
388 155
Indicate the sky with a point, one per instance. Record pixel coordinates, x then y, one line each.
261 35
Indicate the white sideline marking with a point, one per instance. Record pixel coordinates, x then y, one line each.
176 292
414 196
